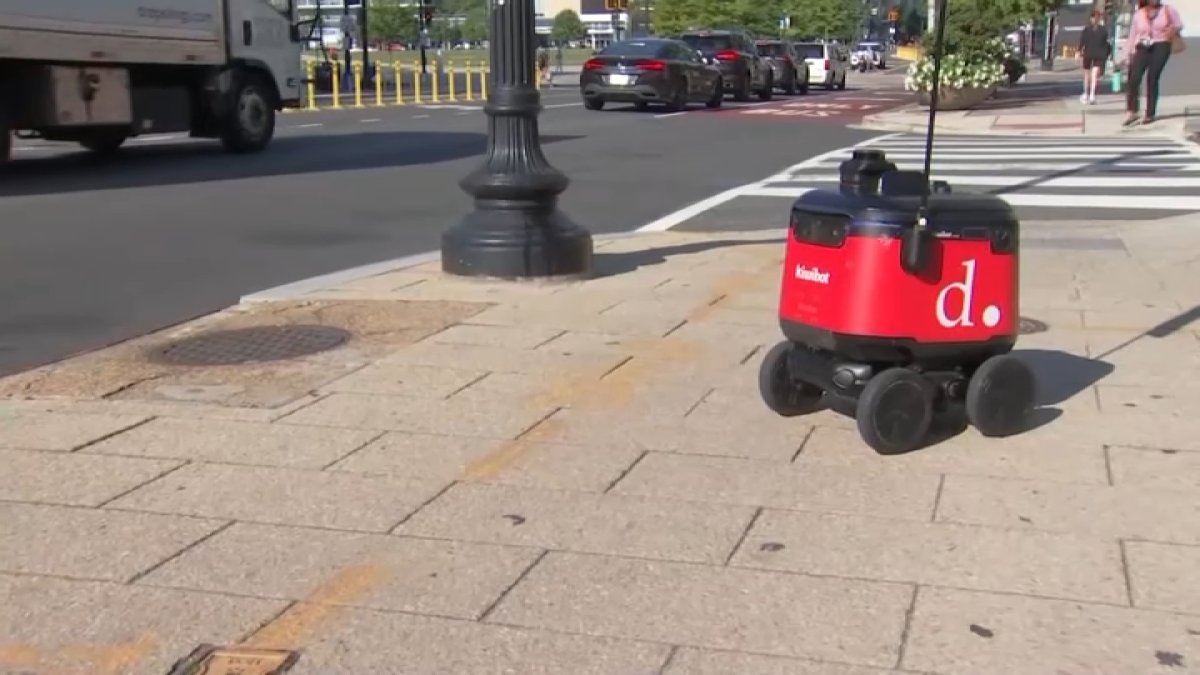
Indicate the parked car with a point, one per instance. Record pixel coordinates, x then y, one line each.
790 71
877 53
827 63
743 70
650 70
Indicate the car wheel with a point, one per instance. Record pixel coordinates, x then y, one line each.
679 96
742 93
594 103
768 89
718 95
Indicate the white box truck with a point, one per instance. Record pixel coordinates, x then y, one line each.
97 72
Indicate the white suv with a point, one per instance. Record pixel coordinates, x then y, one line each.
827 63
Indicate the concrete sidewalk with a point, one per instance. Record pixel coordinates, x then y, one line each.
1046 106
528 478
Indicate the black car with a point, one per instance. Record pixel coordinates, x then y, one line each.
650 70
791 71
734 51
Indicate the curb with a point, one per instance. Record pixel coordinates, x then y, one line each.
298 289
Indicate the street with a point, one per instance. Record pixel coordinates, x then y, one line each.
174 228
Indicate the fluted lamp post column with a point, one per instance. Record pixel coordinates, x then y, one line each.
516 230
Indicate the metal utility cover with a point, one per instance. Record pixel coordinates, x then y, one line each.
251 345
211 660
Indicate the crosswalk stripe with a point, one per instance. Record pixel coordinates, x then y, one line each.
1173 165
1034 182
1075 201
1059 173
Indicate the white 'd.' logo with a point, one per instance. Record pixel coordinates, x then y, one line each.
814 274
991 313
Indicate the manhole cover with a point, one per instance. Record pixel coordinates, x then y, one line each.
212 660
1030 326
250 345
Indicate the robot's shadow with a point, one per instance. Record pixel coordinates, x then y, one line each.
1061 376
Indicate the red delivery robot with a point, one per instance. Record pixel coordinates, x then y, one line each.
901 299
900 308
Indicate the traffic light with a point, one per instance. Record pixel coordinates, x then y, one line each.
616 5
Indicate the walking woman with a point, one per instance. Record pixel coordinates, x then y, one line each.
1153 35
1094 50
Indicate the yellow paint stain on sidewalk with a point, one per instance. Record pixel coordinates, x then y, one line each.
618 389
308 616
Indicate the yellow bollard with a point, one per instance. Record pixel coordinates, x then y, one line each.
484 73
451 86
379 102
417 83
435 95
399 69
470 81
358 79
335 79
311 74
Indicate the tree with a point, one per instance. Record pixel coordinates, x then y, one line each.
391 21
567 26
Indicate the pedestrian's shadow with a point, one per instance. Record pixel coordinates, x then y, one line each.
613 264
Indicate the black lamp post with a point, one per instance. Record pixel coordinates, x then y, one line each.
516 230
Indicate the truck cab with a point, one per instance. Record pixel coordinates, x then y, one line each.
98 73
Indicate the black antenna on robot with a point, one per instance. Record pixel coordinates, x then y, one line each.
935 90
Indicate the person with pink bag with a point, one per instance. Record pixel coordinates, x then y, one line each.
1154 35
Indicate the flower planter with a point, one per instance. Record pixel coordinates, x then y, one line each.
952 98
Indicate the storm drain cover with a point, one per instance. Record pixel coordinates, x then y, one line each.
211 660
251 345
1030 326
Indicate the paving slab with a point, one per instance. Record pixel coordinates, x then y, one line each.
65 432
75 479
783 486
92 543
284 496
690 661
364 641
854 622
96 628
937 554
570 521
1134 512
971 633
421 576
236 443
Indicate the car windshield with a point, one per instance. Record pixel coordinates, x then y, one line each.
811 51
632 48
708 43
771 49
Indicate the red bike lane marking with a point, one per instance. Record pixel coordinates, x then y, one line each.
832 108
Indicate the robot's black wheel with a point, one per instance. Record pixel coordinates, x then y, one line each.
783 395
1000 396
895 411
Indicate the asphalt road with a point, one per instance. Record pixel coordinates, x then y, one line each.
97 251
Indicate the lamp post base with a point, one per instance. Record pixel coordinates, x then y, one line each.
517 244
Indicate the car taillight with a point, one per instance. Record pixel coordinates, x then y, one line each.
727 55
652 64
593 64
827 64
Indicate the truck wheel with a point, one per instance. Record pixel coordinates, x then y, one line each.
250 124
104 142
